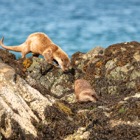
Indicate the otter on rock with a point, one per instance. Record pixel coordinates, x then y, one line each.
84 91
41 44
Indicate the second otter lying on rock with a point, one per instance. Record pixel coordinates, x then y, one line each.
84 91
41 44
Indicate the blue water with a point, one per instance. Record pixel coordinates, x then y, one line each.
75 25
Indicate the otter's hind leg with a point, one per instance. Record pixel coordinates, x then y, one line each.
25 50
23 54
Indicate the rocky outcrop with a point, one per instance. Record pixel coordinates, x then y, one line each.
37 99
19 103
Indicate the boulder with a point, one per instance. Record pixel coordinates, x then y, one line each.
37 99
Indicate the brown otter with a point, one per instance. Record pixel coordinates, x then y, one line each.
41 44
84 91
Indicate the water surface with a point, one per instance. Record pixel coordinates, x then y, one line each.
78 25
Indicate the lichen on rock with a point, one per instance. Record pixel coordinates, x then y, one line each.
37 99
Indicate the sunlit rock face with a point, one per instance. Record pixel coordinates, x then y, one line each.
37 100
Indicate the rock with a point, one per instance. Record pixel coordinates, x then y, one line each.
37 99
116 69
18 103
49 78
81 134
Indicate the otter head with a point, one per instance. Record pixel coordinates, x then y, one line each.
84 92
63 60
65 64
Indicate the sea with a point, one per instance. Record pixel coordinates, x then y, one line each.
74 25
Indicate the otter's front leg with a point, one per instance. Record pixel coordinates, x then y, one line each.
48 56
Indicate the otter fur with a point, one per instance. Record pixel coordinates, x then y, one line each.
40 44
84 91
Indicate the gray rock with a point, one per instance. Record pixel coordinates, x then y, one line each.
18 102
37 99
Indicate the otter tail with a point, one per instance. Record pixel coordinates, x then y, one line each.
12 48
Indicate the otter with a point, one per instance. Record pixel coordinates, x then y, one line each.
40 44
84 91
